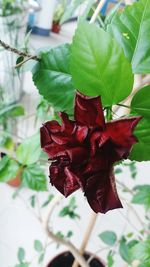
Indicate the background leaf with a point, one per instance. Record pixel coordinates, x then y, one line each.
38 245
131 29
124 250
141 102
21 254
8 169
29 151
34 178
97 57
52 77
108 237
141 251
142 195
140 152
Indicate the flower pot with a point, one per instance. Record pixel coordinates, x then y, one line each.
12 28
15 182
56 27
66 259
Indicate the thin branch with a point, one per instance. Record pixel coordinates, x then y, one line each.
97 10
18 52
87 236
59 240
24 61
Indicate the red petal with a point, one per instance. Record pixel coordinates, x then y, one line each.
101 193
63 179
45 137
77 154
61 139
67 125
53 126
81 133
88 110
121 131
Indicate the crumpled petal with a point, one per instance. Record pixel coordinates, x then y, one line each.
63 179
101 192
121 131
88 110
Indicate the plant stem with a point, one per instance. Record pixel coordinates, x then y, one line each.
18 52
97 10
59 240
87 236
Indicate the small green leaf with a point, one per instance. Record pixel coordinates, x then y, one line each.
50 197
33 201
8 169
29 151
108 237
41 258
12 111
110 259
124 250
69 234
142 195
21 254
52 77
141 102
34 178
97 57
38 245
141 251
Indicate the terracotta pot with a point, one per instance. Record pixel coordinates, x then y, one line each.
66 259
56 27
15 182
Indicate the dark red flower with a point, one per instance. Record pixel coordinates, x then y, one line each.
84 151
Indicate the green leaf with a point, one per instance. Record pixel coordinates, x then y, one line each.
23 264
141 102
50 197
52 77
131 29
142 195
8 169
110 259
124 250
41 258
33 201
98 65
21 254
142 131
108 237
141 251
34 178
29 151
140 152
12 111
38 245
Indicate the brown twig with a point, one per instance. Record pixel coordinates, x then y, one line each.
59 240
18 52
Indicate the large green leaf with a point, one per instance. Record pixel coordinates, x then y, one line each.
131 29
34 178
98 65
142 131
124 250
52 77
141 102
140 152
142 195
8 169
29 151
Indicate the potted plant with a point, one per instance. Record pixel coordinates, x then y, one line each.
65 11
13 22
110 122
